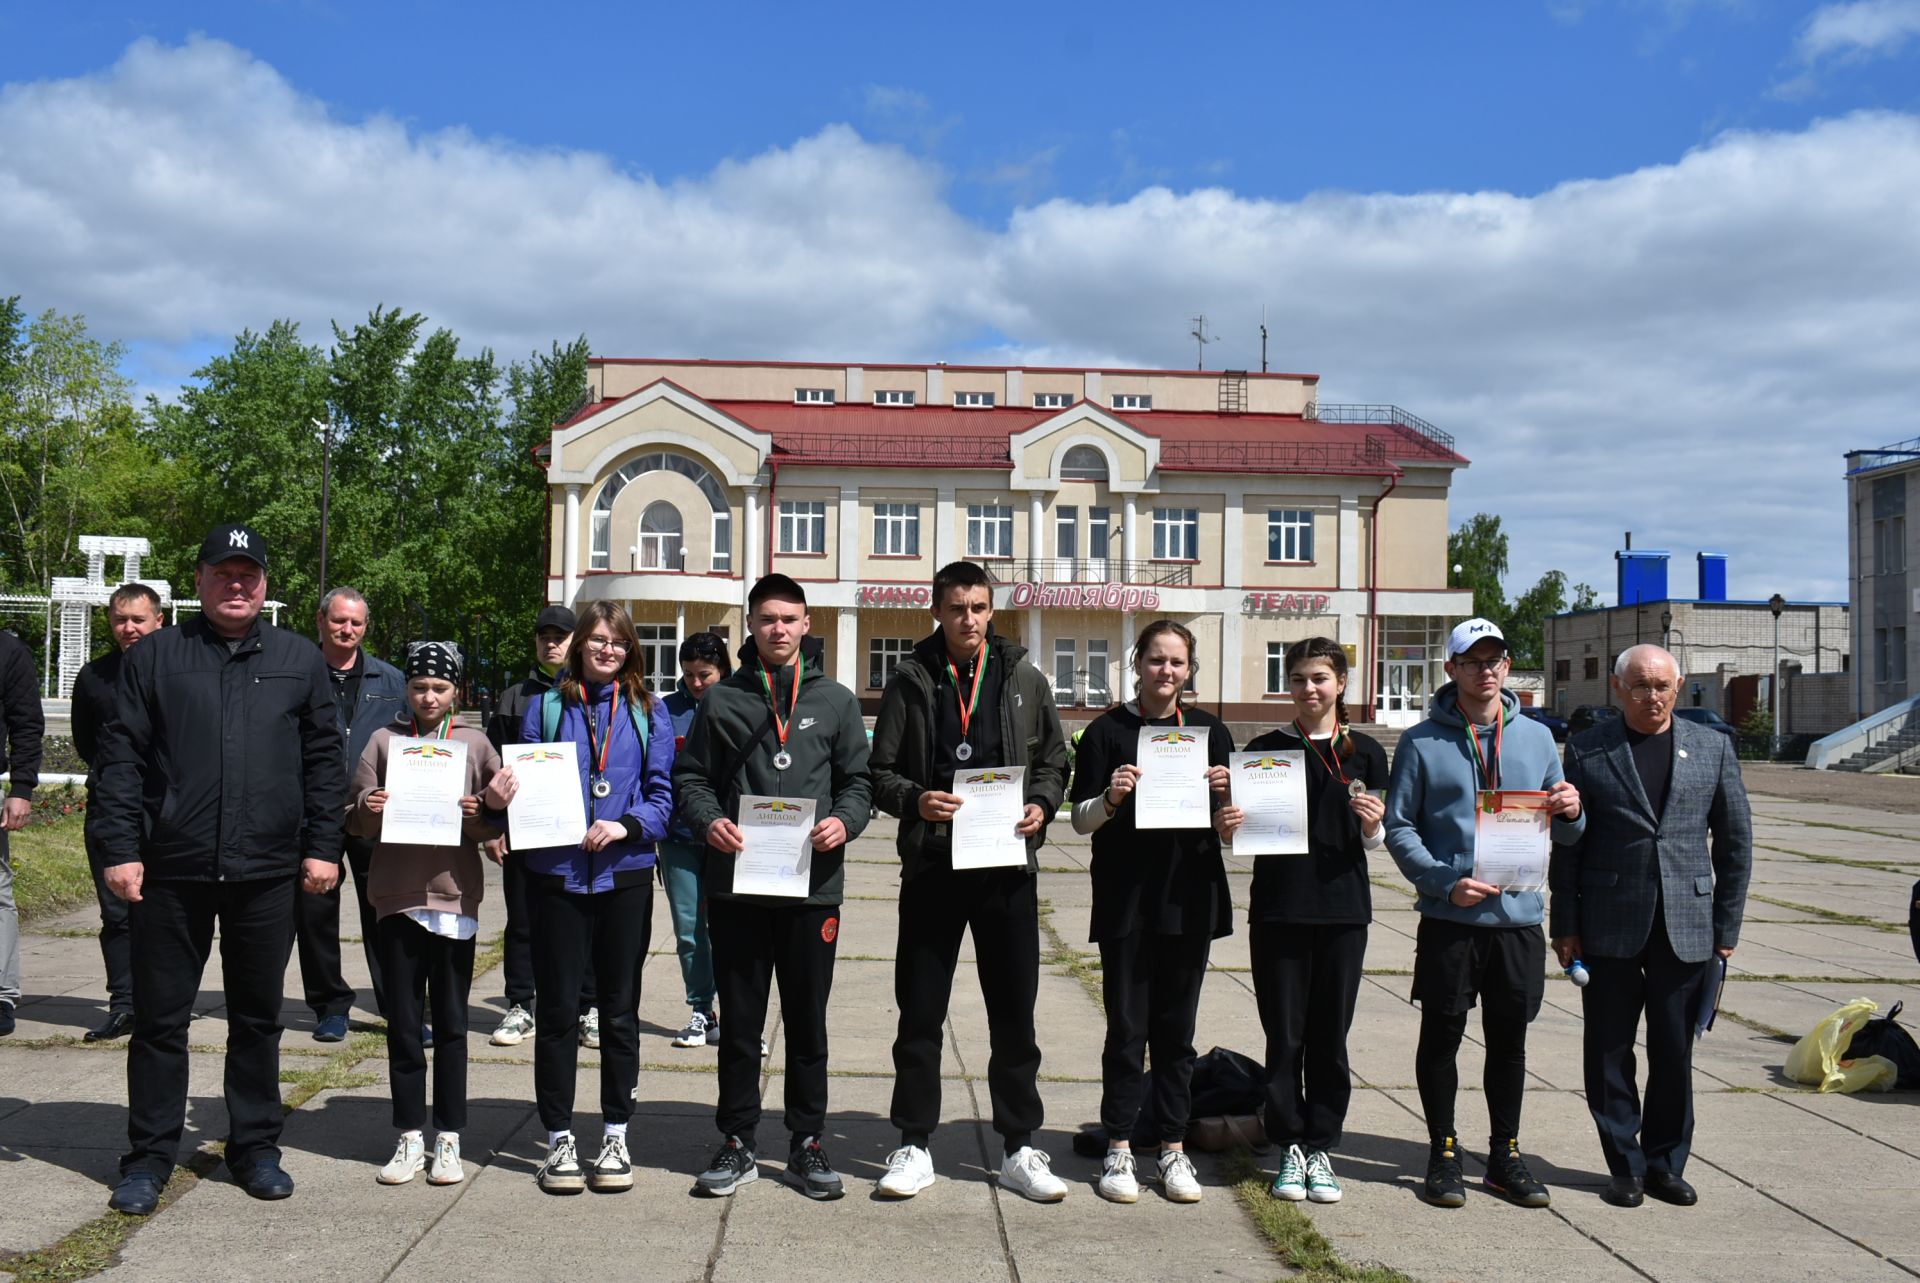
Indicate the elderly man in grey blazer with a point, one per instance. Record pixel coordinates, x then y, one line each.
1647 898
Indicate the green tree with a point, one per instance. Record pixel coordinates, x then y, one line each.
71 458
1584 598
1526 623
1479 549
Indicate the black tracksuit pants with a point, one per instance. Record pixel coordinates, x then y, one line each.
1306 979
612 928
116 940
419 963
173 926
756 944
937 908
1150 985
322 981
517 944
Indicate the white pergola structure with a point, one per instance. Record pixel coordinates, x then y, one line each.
76 598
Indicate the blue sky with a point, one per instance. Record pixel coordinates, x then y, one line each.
1665 246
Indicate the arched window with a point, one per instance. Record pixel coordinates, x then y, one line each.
599 549
661 537
1083 463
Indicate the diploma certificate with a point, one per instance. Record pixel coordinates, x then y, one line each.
425 778
992 801
778 856
1172 792
1513 841
1271 789
548 809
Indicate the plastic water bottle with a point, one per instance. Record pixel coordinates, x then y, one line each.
1577 972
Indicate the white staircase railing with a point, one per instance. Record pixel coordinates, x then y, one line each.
1864 734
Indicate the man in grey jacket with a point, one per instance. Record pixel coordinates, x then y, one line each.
1478 944
1648 897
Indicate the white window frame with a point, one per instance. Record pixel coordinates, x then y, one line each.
1176 534
1132 401
660 650
660 549
1276 668
1052 400
1066 532
883 656
1290 533
720 555
803 527
894 396
896 530
990 531
973 400
813 396
1066 648
1099 533
1100 670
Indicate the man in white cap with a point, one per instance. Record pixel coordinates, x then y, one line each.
1478 943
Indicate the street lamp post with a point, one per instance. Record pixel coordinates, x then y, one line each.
326 493
1666 629
1776 604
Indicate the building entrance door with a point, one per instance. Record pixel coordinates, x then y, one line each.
1403 691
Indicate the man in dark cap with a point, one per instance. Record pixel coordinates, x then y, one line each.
220 796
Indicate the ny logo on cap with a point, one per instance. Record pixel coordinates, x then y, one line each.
236 539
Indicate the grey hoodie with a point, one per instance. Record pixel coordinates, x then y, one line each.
1430 804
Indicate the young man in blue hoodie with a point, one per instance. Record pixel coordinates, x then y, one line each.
1477 944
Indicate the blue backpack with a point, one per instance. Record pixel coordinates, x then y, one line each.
550 718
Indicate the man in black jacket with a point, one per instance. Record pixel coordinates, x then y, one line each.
24 726
133 611
368 693
963 701
221 794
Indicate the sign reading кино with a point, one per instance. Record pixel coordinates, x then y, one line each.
1082 596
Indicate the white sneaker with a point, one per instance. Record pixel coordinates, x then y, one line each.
446 1169
408 1161
1029 1173
1117 1181
590 1028
611 1170
909 1170
1177 1179
514 1027
1291 1181
1321 1185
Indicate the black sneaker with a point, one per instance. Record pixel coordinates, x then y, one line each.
1446 1187
561 1173
732 1167
807 1167
1507 1176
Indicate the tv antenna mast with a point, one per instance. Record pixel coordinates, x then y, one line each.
1263 338
1201 338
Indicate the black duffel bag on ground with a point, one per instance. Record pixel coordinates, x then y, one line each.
1886 1036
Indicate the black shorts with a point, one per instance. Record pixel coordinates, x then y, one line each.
1455 966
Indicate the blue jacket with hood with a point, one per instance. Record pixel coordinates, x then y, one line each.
641 800
1430 806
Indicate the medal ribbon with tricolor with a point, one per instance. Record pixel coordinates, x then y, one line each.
972 702
781 727
1487 771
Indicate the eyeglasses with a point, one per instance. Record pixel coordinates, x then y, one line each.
610 647
1645 694
1480 665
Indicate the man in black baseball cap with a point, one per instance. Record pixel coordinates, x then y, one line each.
219 797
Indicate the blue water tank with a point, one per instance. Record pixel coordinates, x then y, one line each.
1713 576
1642 576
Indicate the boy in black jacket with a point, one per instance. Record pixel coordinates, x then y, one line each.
966 700
778 728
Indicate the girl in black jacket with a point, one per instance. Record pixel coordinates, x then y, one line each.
1159 901
1309 918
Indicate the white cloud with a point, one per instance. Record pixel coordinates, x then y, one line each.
1862 28
1683 351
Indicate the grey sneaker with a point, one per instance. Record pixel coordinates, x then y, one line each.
732 1167
590 1028
807 1167
514 1028
561 1173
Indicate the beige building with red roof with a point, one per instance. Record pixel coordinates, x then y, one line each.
1098 500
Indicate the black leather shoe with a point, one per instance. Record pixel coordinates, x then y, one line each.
137 1194
1625 1191
1669 1188
263 1178
117 1025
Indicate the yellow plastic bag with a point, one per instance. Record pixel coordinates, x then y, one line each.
1816 1058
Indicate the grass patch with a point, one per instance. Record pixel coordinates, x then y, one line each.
1388 884
1759 1027
1296 1240
95 1246
1832 915
50 870
1059 953
336 1071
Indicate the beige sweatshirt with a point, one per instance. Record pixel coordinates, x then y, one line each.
443 878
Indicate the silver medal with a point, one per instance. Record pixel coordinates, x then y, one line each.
600 786
1355 788
963 752
782 760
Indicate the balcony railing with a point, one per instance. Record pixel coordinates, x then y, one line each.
1088 570
1369 454
1383 414
894 451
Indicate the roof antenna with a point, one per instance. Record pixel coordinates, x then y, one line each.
1201 339
1263 338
